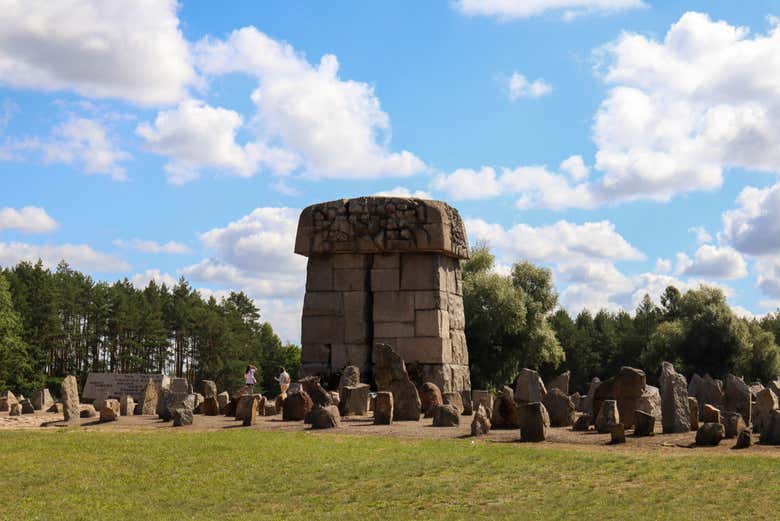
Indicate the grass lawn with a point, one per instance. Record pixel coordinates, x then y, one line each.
246 474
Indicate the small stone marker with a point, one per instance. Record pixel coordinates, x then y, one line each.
222 400
445 415
127 405
733 423
529 387
15 409
743 440
674 401
354 400
480 424
608 416
430 396
693 406
737 397
454 399
484 398
618 434
645 424
559 407
27 407
770 431
710 434
88 411
42 400
710 414
583 423
182 416
247 409
383 408
70 398
505 415
149 398
534 422
296 406
390 375
110 411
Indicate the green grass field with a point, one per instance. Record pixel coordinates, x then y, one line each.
246 475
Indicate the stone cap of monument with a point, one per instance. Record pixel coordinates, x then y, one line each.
381 225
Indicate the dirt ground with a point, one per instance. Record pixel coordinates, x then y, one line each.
363 426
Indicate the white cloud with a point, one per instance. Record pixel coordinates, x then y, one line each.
464 184
80 256
562 240
754 226
702 235
335 126
516 9
400 191
196 135
172 247
119 49
518 87
575 167
84 142
30 219
713 262
141 280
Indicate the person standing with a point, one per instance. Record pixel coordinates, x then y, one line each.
249 378
283 379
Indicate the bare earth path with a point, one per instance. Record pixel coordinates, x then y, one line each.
561 437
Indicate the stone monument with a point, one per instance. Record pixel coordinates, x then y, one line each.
384 270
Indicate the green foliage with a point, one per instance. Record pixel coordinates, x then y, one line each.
64 322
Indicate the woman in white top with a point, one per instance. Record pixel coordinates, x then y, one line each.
249 378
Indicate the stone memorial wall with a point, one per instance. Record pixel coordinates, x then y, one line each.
384 270
115 385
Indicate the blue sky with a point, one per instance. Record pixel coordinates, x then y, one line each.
626 144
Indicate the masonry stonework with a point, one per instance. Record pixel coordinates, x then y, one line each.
384 270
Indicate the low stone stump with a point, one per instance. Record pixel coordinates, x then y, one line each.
534 422
325 417
608 416
296 406
182 416
110 411
56 408
208 388
732 423
693 405
710 434
270 408
88 411
42 400
383 408
618 434
644 424
6 399
27 407
710 414
743 440
484 398
454 399
127 405
430 397
210 406
354 400
446 415
15 409
505 415
223 399
582 423
480 424
770 431
559 407
766 402
248 405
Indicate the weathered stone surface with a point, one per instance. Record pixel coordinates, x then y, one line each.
626 388
179 385
586 405
480 423
27 406
383 408
468 404
182 416
733 423
529 387
737 397
560 382
582 423
390 375
650 402
42 400
743 440
770 431
608 416
693 408
249 404
766 402
296 406
644 424
559 407
127 405
710 434
223 399
208 388
445 415
70 398
618 434
354 400
318 394
710 414
15 409
534 422
149 398
325 417
110 411
210 406
707 391
430 397
114 385
350 375
454 399
576 399
505 415
56 408
270 408
6 399
676 415
483 398
171 400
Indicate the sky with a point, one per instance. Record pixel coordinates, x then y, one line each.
625 144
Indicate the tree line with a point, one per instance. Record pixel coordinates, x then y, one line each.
513 321
59 322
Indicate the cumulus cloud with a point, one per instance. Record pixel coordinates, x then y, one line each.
153 246
196 135
29 219
337 127
119 49
713 262
141 280
400 191
80 256
86 143
754 226
518 86
517 9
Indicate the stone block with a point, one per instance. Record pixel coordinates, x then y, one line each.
323 330
385 280
460 353
432 322
425 350
387 261
319 274
351 261
393 306
431 300
315 353
394 329
421 271
317 303
343 355
457 317
350 280
356 317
